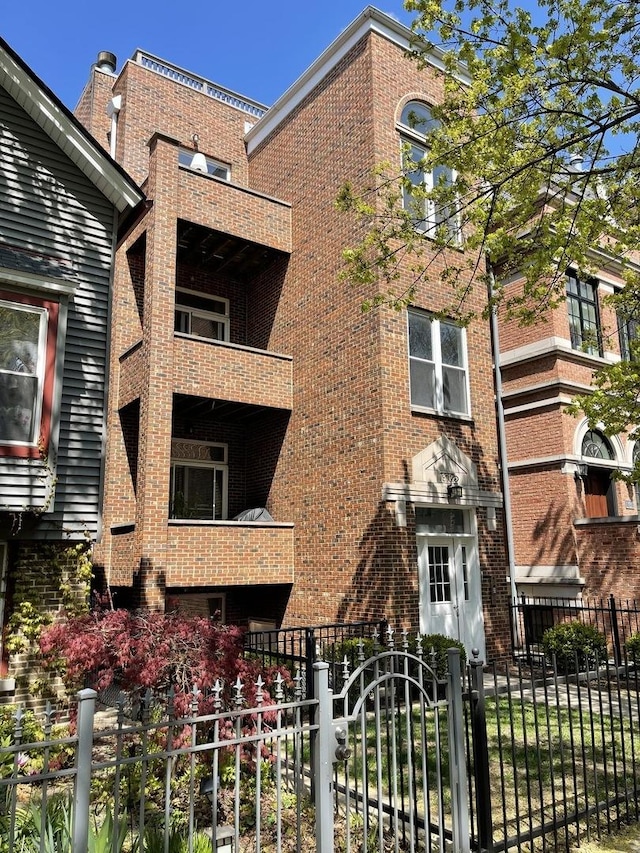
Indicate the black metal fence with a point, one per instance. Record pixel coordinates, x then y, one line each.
554 756
299 648
617 619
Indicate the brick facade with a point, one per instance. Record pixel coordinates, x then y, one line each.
43 581
565 543
309 395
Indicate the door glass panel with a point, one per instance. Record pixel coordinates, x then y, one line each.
439 580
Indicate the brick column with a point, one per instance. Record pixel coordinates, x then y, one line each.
154 452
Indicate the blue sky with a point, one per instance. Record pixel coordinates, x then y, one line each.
255 47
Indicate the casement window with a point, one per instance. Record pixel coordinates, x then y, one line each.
28 330
437 365
584 318
201 316
432 218
199 481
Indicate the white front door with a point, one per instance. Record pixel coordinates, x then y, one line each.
450 594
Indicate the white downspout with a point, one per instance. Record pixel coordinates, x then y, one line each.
113 108
504 469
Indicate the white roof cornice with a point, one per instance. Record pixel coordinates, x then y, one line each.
371 20
66 132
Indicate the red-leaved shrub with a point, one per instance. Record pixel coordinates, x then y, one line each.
140 650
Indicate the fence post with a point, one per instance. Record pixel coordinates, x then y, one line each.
457 757
323 760
617 649
310 654
82 788
481 755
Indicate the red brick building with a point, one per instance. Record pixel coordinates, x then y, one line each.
275 453
575 528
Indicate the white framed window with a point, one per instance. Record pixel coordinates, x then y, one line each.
198 486
200 163
201 316
428 216
23 363
438 371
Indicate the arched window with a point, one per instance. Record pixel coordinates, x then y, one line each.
596 445
415 123
599 488
417 116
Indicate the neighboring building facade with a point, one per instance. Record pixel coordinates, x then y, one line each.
575 528
276 455
61 200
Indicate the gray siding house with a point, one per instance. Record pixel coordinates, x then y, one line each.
63 201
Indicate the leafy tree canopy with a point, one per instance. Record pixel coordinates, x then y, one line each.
538 130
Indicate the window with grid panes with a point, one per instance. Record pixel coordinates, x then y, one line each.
584 319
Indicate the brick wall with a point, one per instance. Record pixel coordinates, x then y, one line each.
609 553
36 574
351 427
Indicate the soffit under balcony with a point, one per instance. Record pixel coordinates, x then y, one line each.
221 253
201 408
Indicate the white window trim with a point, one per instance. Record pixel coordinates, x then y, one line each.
614 440
439 408
429 224
11 279
40 370
206 315
222 466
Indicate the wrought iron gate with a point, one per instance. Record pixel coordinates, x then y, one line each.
390 760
